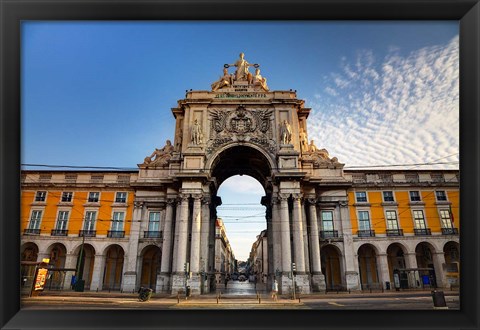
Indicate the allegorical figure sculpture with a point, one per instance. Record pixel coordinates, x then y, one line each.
286 132
160 156
197 135
303 141
260 81
242 73
312 147
224 81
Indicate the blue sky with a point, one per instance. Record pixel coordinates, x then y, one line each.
100 93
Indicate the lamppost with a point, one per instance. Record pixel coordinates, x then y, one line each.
79 262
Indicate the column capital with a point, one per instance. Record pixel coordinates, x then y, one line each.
297 196
197 197
283 197
183 197
171 201
311 200
138 205
343 203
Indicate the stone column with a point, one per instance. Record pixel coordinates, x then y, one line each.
383 271
178 282
175 236
204 242
297 228
351 268
302 280
165 269
129 279
194 282
439 264
285 283
276 236
410 260
97 275
70 262
318 279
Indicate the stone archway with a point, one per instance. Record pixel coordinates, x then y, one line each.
112 275
57 255
331 267
396 259
426 264
151 259
367 263
85 263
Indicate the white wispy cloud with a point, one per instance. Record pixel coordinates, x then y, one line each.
243 184
393 110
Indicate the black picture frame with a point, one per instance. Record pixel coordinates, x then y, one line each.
13 12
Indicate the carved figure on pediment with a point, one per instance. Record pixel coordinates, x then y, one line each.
160 157
303 141
242 73
259 81
197 135
178 144
224 81
286 132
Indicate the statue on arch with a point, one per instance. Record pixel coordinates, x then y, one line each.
224 81
242 73
303 141
260 81
197 135
160 157
286 132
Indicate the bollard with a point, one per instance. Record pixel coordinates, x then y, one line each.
217 299
259 300
348 291
382 289
97 289
178 298
370 290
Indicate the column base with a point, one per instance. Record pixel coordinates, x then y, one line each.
178 283
129 282
163 283
353 281
318 282
302 284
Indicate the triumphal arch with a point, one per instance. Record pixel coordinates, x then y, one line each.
240 126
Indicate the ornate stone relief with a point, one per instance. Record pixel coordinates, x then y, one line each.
240 125
159 157
319 157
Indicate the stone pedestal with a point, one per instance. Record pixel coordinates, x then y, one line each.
318 282
302 284
129 282
163 283
178 283
195 282
353 281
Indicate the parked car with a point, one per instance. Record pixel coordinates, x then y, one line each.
242 278
234 277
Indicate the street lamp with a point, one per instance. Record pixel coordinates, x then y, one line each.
294 269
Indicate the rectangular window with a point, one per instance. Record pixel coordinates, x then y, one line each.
419 219
446 219
415 196
441 196
117 221
62 220
361 196
89 224
40 196
35 220
67 196
363 220
121 197
154 221
392 222
93 197
388 196
327 220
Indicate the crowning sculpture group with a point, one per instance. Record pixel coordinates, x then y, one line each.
161 157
